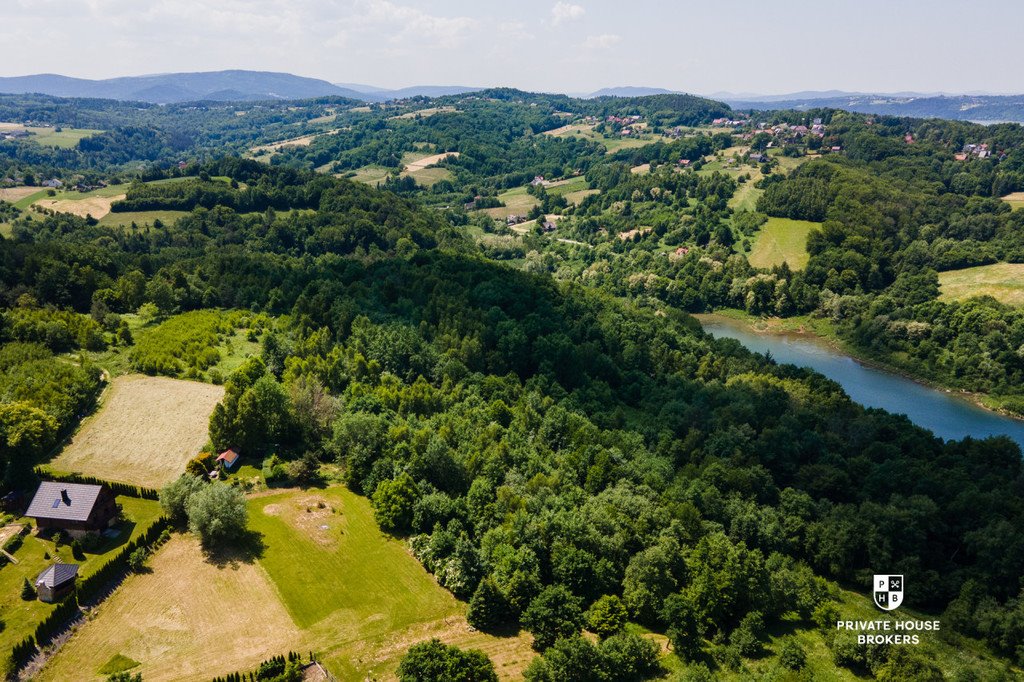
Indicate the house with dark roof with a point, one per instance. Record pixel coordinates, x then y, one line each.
56 582
75 508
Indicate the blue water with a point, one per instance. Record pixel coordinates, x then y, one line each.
945 414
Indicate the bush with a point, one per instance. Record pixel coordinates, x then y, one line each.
792 655
28 593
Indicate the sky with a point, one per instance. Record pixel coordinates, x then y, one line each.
573 46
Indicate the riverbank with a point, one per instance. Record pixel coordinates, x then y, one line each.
823 332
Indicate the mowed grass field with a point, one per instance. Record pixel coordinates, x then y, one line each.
328 581
611 144
140 218
517 202
66 138
145 431
21 617
779 241
1002 281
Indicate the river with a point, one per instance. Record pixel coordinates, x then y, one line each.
946 414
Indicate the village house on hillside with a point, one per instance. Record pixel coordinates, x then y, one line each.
56 582
75 508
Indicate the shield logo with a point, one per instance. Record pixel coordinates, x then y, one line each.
888 591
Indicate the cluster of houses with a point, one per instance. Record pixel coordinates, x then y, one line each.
786 132
78 510
730 122
17 134
625 124
977 151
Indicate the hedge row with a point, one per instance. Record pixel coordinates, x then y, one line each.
268 671
125 489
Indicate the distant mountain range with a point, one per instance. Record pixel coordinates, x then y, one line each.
181 87
240 85
213 85
986 108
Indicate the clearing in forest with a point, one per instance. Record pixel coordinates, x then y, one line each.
1002 281
145 431
328 580
782 240
517 202
94 206
1015 200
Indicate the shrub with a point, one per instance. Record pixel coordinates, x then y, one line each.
792 655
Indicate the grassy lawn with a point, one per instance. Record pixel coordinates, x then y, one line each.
328 580
429 176
65 139
370 175
168 618
141 218
1002 281
21 617
567 186
517 202
781 240
360 594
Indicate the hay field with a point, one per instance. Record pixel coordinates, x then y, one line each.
186 619
782 240
423 113
15 194
1002 281
144 433
95 206
423 162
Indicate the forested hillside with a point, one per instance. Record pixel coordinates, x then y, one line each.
555 453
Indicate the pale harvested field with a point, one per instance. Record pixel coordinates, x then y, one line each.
303 141
1015 200
187 619
13 194
97 207
423 113
428 161
144 433
1002 281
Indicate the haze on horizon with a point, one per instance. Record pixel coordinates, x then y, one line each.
540 45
